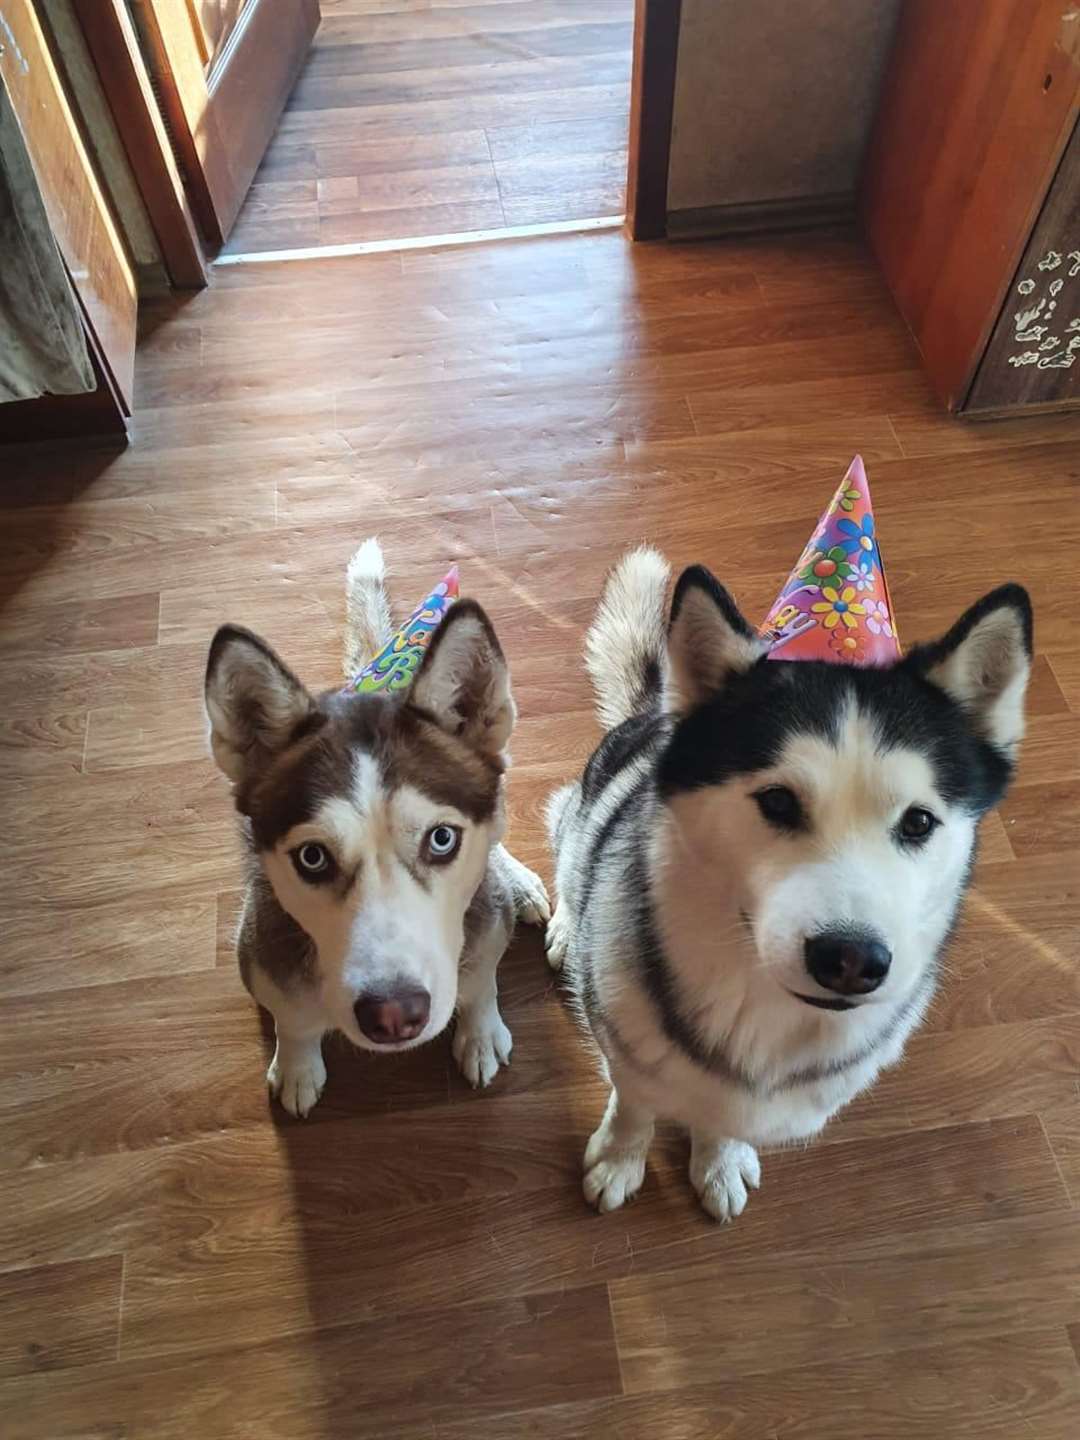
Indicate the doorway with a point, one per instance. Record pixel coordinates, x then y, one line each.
441 118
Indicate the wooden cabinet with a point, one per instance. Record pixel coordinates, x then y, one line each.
965 191
1033 358
80 217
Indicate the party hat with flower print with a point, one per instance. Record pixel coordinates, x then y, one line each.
399 659
835 604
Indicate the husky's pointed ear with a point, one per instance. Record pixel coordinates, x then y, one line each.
708 640
253 701
463 682
984 662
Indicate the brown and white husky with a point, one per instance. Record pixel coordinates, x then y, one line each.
379 897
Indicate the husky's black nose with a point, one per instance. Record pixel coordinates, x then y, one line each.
397 1015
847 961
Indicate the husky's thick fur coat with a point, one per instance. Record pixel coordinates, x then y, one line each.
761 863
379 896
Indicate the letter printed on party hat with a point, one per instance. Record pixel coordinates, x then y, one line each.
399 659
835 604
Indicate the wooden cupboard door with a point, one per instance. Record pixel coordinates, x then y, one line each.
1033 359
224 70
216 19
978 104
79 214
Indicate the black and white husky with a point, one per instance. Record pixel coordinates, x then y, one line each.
761 863
379 896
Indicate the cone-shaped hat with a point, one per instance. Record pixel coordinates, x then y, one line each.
399 659
835 604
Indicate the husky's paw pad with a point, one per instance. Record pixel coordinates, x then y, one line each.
298 1087
721 1177
531 902
557 938
480 1049
613 1174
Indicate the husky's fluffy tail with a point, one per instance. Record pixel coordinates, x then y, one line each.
368 624
625 646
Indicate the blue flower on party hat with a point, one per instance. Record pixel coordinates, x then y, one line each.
857 538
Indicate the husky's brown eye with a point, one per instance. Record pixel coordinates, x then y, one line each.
441 844
312 861
917 823
781 807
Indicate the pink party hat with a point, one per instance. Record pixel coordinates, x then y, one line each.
394 667
835 604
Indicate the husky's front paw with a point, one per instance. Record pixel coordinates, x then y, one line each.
297 1081
613 1173
480 1046
720 1172
557 938
531 903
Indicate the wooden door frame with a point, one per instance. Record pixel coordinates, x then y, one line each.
114 47
652 108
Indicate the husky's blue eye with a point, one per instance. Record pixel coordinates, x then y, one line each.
441 844
781 807
312 861
917 823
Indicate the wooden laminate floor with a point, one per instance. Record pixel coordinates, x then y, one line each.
434 117
179 1259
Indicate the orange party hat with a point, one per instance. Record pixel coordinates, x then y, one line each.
835 604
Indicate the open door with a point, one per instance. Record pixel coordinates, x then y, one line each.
223 69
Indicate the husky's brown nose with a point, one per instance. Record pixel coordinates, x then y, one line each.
394 1016
847 962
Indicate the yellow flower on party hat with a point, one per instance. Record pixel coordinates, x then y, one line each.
835 604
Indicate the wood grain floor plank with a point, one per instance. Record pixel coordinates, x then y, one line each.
1062 1125
489 46
347 122
1051 750
105 944
1066 668
978 1391
34 687
1043 818
1041 1056
1045 695
49 744
440 219
55 1317
390 20
192 470
359 160
71 627
427 90
408 188
517 1353
672 1328
132 800
931 433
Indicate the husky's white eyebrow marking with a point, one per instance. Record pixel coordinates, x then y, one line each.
347 820
366 779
